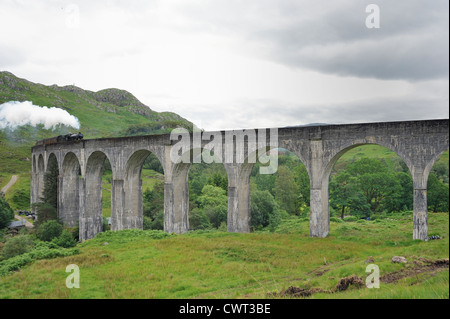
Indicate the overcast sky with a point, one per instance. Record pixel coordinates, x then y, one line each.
228 64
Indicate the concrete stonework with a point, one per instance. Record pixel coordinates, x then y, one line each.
418 143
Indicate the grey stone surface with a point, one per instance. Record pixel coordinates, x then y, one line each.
418 143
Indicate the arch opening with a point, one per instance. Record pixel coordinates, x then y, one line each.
208 196
41 173
98 169
47 204
196 194
143 185
368 182
282 195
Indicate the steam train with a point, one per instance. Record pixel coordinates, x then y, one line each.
61 138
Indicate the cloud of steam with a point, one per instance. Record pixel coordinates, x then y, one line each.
14 114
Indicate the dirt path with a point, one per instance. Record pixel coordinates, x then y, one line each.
11 182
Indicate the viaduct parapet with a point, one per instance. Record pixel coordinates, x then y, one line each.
418 143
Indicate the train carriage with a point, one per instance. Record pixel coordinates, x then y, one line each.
61 138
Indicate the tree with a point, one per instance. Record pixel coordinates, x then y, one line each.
47 208
286 190
381 190
17 245
365 166
403 198
379 184
198 219
265 182
264 210
152 162
45 212
6 212
212 196
49 230
440 169
153 201
50 192
219 180
370 184
216 214
438 200
304 186
65 239
214 203
344 193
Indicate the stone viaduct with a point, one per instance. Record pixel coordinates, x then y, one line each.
418 143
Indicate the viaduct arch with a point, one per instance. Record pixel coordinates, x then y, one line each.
418 143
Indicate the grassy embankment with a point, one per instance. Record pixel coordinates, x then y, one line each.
153 264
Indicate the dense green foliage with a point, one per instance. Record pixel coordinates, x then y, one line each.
65 239
16 246
371 186
363 187
40 250
6 213
368 186
438 199
49 230
264 210
153 202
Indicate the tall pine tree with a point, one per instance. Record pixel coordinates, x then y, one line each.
47 208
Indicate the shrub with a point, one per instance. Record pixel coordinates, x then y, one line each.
350 219
17 245
223 227
335 219
76 232
146 223
158 222
65 240
49 230
216 215
264 210
6 213
105 224
45 212
14 263
40 252
198 219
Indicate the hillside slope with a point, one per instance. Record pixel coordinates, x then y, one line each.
286 263
106 113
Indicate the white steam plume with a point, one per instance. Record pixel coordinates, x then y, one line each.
14 114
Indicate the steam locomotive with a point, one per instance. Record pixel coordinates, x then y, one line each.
61 138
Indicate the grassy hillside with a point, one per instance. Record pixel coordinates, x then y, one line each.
107 113
213 264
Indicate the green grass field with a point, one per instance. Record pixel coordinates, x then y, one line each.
213 264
